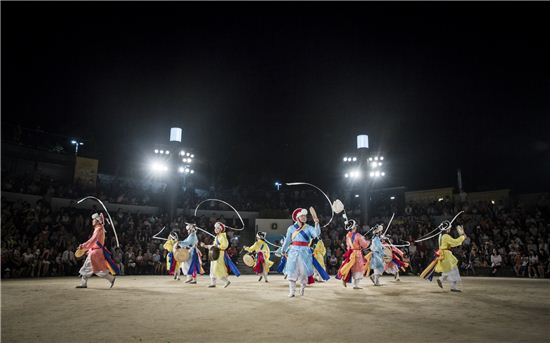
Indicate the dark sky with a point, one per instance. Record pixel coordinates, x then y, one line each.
281 90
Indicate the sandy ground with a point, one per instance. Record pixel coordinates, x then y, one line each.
160 309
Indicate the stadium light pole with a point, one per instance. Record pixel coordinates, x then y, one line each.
76 145
366 169
174 162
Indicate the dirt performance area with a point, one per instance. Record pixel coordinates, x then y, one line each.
161 309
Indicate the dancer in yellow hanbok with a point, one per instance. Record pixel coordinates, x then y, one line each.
172 266
263 264
220 268
445 262
319 253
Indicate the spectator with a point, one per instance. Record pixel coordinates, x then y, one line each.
496 262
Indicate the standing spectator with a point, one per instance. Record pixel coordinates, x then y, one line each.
533 264
156 262
118 259
517 263
44 263
333 263
28 263
148 261
496 262
542 260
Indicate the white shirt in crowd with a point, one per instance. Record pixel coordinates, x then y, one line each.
496 260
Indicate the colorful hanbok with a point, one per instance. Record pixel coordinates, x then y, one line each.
445 262
220 268
192 267
353 266
99 260
299 264
263 253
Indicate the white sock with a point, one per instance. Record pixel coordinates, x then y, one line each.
83 281
292 287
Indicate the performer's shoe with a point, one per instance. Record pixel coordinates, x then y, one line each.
192 282
113 282
344 282
291 295
188 281
260 279
266 281
439 283
227 284
456 290
372 279
211 286
357 287
302 291
81 286
286 276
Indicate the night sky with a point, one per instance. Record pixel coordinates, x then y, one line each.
279 91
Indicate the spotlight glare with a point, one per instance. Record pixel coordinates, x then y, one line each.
376 158
192 156
187 154
354 159
370 158
167 152
161 152
180 170
440 199
383 174
371 174
357 195
377 174
347 175
156 151
392 198
381 158
192 171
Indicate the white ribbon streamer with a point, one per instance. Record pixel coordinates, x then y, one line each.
106 211
223 202
319 189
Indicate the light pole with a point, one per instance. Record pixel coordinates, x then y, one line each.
76 145
173 164
365 169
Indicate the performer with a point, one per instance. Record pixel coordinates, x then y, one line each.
99 260
397 260
263 264
353 265
219 269
172 266
319 252
377 256
445 262
299 265
192 267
